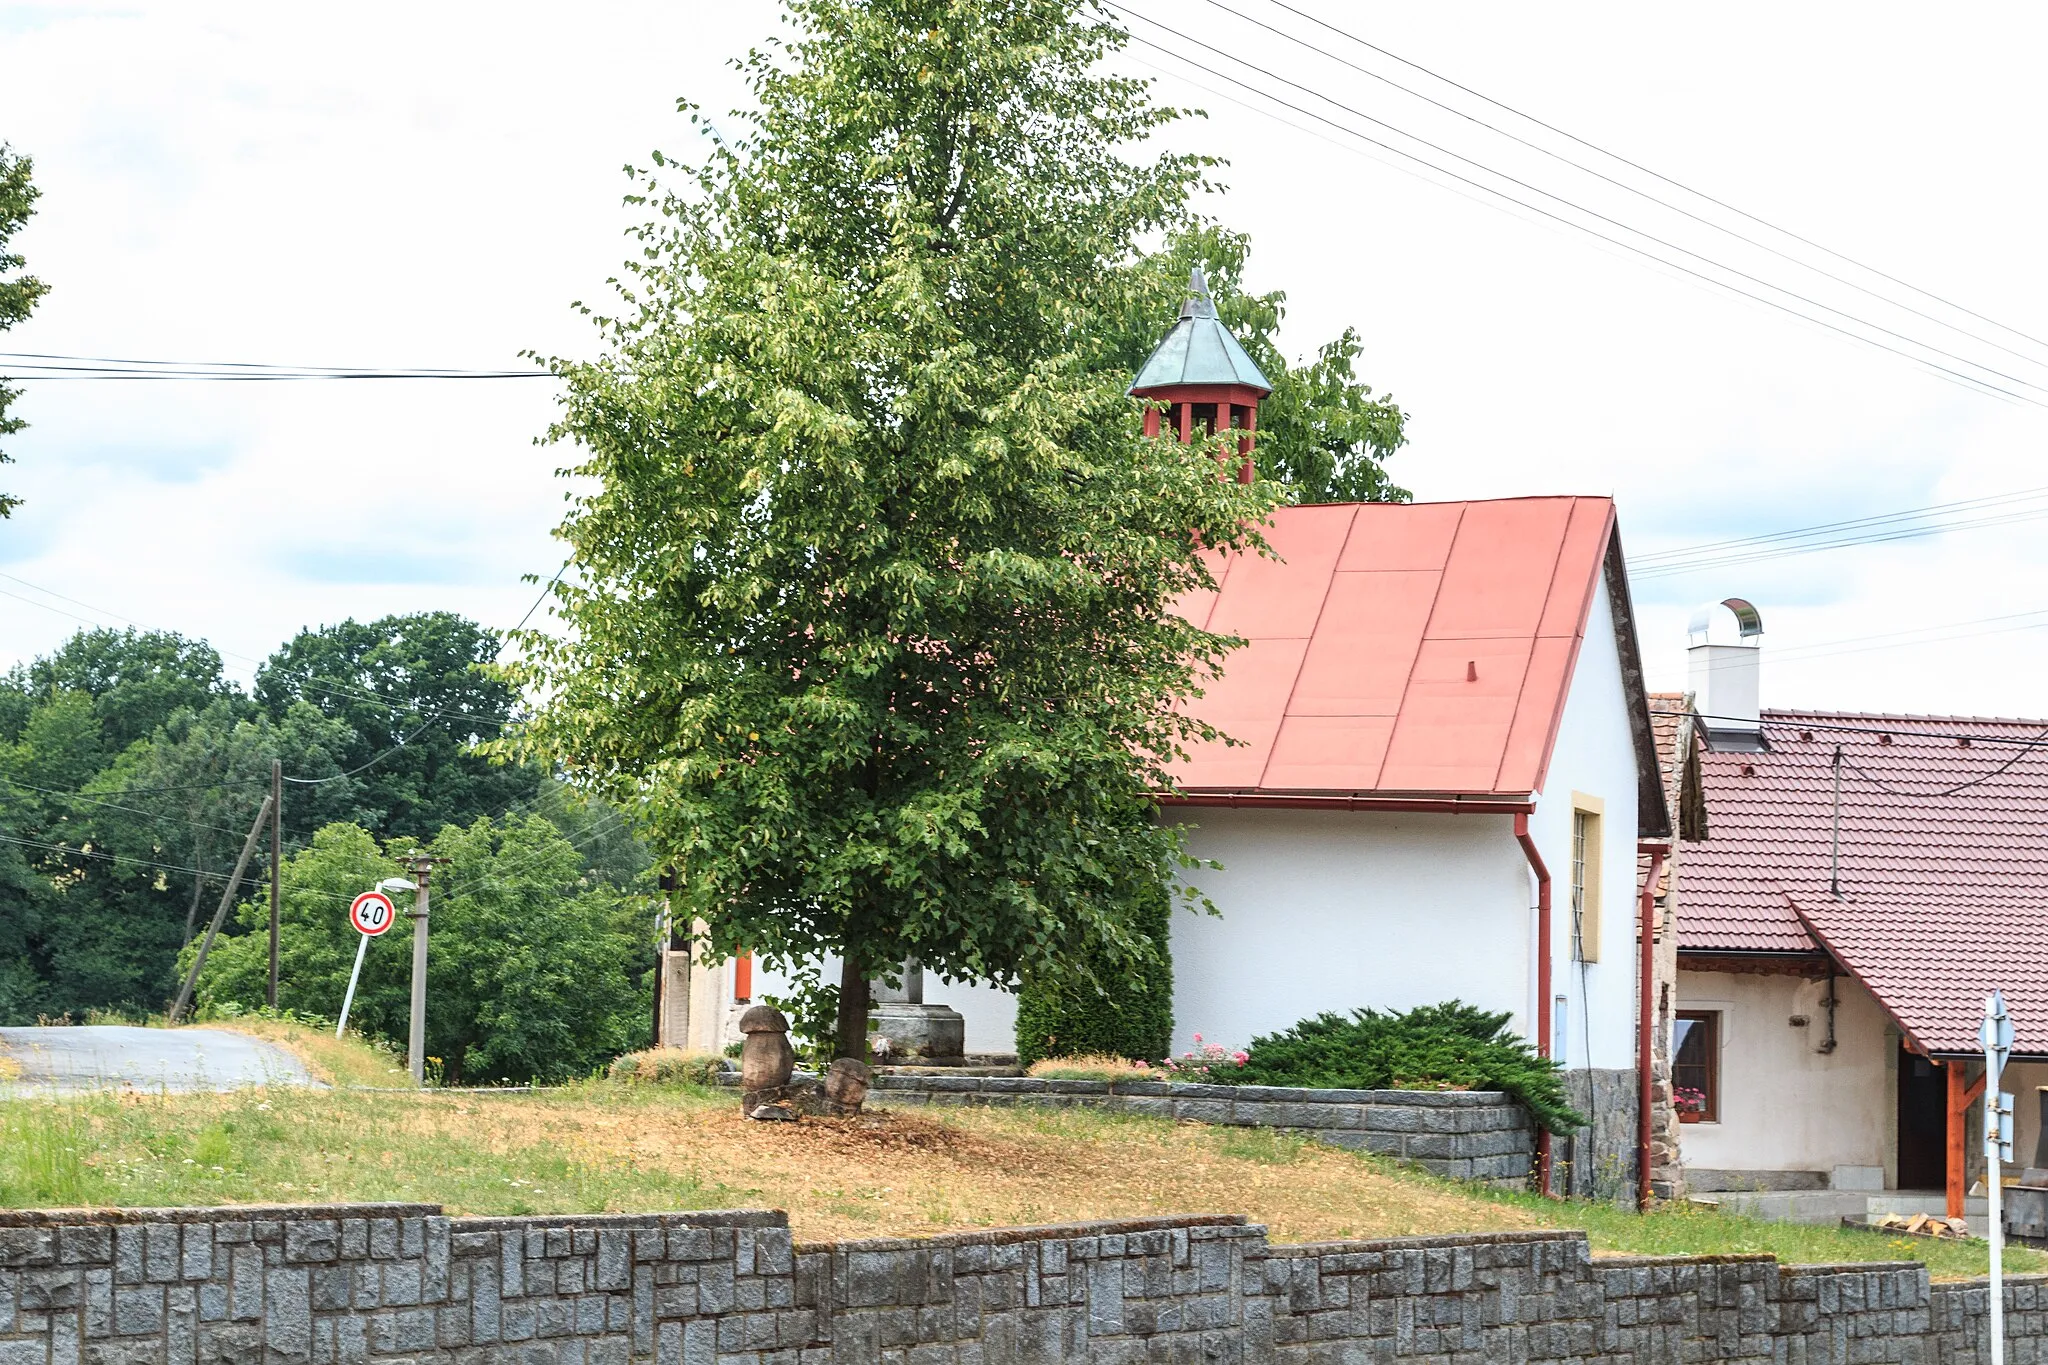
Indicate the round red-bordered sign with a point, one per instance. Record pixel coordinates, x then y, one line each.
371 913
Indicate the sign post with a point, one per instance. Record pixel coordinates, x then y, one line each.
1996 1036
372 914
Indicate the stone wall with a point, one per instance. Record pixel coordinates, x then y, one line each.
1466 1135
1599 1161
405 1285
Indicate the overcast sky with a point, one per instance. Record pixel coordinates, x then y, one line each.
436 186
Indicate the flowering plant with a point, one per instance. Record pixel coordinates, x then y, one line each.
1688 1100
1205 1062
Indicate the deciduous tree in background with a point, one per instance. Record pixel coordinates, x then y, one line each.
18 293
873 623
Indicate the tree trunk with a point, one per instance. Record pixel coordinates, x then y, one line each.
852 1040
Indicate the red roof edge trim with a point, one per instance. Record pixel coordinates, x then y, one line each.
1457 805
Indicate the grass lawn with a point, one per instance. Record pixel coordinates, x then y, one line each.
599 1146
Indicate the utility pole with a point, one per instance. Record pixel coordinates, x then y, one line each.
227 898
276 841
422 867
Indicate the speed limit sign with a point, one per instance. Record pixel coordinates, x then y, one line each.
371 913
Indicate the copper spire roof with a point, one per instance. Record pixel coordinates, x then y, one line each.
1944 893
1199 349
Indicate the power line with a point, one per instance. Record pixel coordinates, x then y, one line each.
1875 537
1902 725
1595 214
1968 380
1636 166
42 365
1888 788
1989 499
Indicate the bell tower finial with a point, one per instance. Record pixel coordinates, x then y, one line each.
1204 377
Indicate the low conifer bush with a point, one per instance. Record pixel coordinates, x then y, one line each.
1452 1046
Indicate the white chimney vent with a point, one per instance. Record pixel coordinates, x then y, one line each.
1724 641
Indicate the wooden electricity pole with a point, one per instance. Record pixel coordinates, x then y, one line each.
276 843
227 898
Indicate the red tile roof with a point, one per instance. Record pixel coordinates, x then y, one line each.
1944 893
1412 648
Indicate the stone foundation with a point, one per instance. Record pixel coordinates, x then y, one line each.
355 1284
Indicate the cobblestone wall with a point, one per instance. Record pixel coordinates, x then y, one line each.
1466 1135
404 1285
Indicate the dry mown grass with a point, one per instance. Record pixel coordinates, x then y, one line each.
603 1146
909 1172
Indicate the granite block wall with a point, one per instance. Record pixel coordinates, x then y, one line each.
406 1285
1466 1135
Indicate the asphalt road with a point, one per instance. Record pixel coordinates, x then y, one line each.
116 1057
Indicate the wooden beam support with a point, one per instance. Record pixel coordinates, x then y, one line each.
1961 1095
1956 1103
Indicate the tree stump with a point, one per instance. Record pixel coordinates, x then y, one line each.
846 1086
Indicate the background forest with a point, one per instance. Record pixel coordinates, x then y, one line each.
131 768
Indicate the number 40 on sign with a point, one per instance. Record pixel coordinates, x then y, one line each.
371 914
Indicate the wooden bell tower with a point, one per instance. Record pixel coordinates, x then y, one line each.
1208 383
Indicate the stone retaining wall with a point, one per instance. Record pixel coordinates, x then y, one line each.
1466 1135
405 1285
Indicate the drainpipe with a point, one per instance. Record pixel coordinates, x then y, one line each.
1535 858
1646 1016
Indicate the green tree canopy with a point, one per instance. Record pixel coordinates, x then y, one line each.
18 293
409 688
135 681
1323 432
536 970
873 622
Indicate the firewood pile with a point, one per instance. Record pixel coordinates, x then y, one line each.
1923 1225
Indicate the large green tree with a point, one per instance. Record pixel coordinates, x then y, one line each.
415 698
1323 433
18 293
872 627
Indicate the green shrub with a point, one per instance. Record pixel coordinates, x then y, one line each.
1452 1046
1072 1018
667 1066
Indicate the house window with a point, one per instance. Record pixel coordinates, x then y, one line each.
1696 1066
1586 813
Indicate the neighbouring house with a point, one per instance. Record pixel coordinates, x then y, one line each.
1444 771
1859 883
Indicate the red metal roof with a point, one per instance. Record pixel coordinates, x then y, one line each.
1400 648
1944 896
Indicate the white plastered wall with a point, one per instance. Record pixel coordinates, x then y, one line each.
1338 910
1784 1104
1595 756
